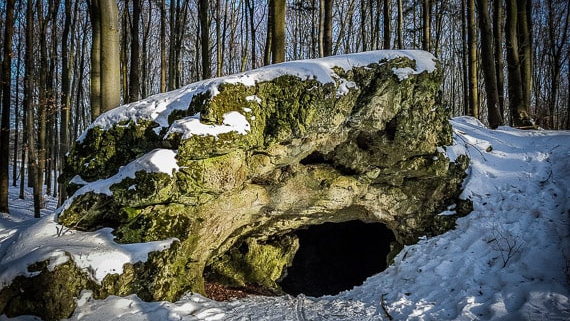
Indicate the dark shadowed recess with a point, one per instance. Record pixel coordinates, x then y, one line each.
334 257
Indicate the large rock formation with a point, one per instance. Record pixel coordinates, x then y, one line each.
230 167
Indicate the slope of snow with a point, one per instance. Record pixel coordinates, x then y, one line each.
507 260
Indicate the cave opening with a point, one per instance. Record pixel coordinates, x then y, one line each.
333 257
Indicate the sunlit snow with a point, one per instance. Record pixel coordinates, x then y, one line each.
519 188
190 126
158 161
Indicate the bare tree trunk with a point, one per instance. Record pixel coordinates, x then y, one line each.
387 24
327 28
269 37
25 148
43 103
465 58
52 110
17 109
472 48
29 110
6 96
172 60
110 53
488 66
568 96
205 38
95 76
426 28
145 81
245 57
251 8
498 52
278 31
134 73
375 17
105 57
400 25
163 46
519 112
65 92
219 48
525 49
79 109
123 56
321 28
28 107
557 38
438 13
363 27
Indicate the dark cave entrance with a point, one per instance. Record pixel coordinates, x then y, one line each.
334 257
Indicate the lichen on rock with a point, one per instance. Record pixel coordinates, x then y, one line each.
259 155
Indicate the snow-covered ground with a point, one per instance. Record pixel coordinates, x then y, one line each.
507 260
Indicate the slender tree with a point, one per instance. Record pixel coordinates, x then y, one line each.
135 70
163 64
278 8
465 59
518 109
363 25
426 25
488 65
178 19
524 31
44 98
65 89
327 27
105 57
558 22
400 25
386 15
124 50
95 74
6 97
269 36
145 61
17 111
498 40
568 91
250 4
110 63
205 38
321 28
29 110
52 109
472 61
219 48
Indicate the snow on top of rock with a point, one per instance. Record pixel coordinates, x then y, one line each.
156 161
94 252
158 107
189 126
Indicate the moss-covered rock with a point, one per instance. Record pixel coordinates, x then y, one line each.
255 261
258 159
50 294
